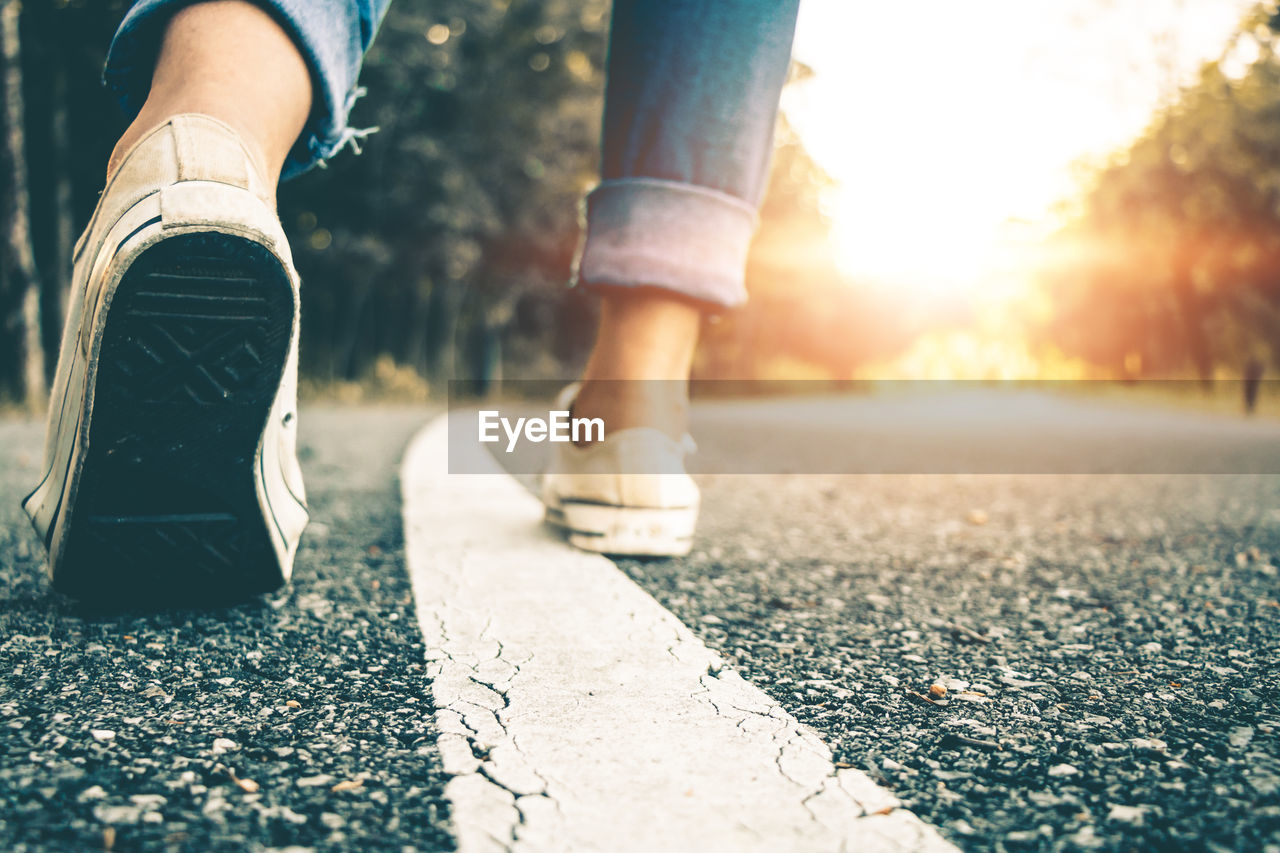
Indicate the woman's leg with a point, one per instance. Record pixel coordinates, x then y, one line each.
282 73
690 107
212 60
185 262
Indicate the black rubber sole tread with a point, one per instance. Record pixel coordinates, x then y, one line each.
194 347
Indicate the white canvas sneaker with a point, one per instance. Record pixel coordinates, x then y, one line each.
170 468
627 495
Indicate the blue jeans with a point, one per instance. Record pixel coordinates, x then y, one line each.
690 106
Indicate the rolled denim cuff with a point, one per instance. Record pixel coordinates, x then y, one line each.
132 57
646 232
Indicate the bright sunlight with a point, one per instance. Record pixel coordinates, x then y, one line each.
956 131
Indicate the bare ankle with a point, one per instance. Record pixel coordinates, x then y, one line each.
627 404
214 60
644 334
638 372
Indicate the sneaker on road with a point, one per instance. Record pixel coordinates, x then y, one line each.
170 468
627 495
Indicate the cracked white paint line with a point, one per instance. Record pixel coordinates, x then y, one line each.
576 713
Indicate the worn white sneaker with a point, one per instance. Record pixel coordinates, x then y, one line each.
170 468
596 495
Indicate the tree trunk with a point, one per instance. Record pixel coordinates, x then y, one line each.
346 354
415 354
63 208
489 369
442 333
1191 308
22 301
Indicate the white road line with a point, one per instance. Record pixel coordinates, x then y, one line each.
576 713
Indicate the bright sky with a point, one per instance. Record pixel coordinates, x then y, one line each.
953 127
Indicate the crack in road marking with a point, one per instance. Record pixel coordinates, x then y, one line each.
578 714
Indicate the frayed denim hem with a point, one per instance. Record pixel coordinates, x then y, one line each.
318 151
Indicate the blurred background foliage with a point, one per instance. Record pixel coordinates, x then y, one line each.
1171 265
444 249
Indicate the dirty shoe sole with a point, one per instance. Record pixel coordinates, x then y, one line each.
165 505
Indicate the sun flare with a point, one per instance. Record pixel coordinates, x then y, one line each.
912 247
953 143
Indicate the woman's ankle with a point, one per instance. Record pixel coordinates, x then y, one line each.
230 60
630 403
637 375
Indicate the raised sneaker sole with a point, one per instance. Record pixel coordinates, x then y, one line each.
625 530
193 350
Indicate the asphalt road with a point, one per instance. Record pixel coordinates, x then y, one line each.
300 719
1109 647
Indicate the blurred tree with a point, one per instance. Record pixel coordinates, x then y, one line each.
22 365
1176 253
445 247
68 123
462 214
465 202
